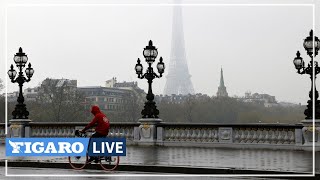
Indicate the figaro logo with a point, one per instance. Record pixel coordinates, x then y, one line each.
46 146
39 147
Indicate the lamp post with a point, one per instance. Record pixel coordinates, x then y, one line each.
150 53
311 45
20 58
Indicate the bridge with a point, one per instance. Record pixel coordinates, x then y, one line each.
186 148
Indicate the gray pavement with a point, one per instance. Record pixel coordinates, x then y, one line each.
250 159
99 174
276 160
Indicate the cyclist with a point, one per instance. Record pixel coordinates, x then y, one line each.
102 127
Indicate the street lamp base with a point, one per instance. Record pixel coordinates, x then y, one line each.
20 112
308 112
150 110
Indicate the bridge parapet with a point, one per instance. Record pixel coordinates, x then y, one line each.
232 135
270 136
52 129
67 129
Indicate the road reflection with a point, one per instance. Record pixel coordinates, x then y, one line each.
253 159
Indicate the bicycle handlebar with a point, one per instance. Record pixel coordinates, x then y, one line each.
79 134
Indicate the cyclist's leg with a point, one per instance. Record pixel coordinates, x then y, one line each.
107 158
98 135
94 135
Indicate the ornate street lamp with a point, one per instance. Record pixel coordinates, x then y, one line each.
20 58
150 53
310 44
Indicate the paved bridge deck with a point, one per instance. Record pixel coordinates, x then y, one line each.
251 159
106 175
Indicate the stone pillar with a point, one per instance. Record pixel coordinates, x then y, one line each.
307 132
148 131
19 128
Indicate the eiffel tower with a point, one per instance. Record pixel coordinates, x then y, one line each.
178 78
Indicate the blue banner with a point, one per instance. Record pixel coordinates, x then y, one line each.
46 146
65 147
107 147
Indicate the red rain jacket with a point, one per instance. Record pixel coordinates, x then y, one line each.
100 120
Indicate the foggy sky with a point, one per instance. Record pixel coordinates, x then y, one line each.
255 45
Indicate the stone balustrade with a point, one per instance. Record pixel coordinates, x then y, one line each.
52 129
270 136
68 129
232 135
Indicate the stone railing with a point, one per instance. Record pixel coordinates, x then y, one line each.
67 129
150 132
231 135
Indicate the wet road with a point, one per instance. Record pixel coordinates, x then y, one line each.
252 159
98 174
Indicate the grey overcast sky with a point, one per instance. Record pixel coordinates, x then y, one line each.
255 45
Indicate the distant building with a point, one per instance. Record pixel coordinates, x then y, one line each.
70 84
288 104
178 99
173 99
31 94
264 99
51 88
114 96
110 83
106 98
222 90
12 97
132 86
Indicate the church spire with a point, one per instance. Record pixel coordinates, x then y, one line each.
222 90
221 79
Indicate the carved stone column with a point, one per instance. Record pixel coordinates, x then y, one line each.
148 130
307 132
19 128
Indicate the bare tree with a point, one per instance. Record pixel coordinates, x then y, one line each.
189 105
60 100
134 107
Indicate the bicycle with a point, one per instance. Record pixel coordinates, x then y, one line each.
107 163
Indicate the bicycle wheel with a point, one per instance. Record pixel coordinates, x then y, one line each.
109 163
78 162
